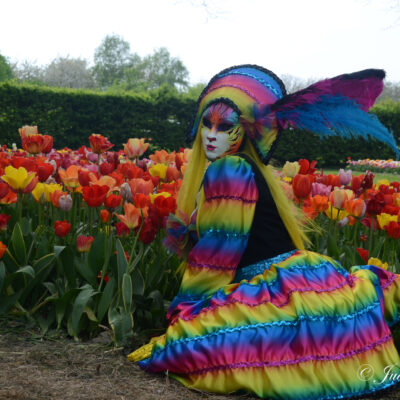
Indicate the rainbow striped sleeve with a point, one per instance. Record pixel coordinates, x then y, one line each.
223 222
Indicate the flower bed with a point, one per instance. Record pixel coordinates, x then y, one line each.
390 166
81 230
81 234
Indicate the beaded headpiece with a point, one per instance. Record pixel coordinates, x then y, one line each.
336 106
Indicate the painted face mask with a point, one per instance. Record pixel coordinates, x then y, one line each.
220 130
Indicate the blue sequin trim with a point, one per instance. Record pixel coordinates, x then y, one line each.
300 318
224 233
262 81
252 270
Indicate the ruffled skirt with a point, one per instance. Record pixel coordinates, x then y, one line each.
297 326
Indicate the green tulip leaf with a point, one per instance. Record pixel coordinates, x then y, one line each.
127 292
18 244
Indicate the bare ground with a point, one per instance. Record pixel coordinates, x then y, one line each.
34 368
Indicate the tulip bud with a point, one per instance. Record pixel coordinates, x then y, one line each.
126 192
345 176
83 243
65 202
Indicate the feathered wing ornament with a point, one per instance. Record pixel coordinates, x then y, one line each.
336 106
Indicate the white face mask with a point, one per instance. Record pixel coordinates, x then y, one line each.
217 124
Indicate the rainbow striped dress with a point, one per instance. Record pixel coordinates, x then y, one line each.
294 326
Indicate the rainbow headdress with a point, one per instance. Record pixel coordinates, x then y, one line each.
336 106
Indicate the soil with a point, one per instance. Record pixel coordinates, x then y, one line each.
56 367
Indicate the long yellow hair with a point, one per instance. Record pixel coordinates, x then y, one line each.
193 178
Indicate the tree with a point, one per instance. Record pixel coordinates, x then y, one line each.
5 69
156 70
28 72
111 59
69 72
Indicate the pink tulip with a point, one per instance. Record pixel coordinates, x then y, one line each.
345 176
321 189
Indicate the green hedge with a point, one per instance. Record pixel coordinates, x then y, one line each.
164 115
70 116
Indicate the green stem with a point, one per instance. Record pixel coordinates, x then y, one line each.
370 239
134 243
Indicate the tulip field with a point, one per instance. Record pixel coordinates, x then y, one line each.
81 231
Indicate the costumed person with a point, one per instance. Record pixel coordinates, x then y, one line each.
255 310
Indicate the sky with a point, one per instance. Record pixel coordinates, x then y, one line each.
309 39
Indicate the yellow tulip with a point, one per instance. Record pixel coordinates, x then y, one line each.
335 213
377 262
384 219
19 178
382 182
42 191
291 169
158 170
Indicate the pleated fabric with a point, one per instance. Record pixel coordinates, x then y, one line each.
303 329
296 326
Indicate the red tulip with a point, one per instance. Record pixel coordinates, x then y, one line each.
306 168
301 186
141 200
356 183
94 195
44 170
165 205
99 143
375 203
113 201
3 189
106 168
368 180
393 230
83 243
122 229
148 231
47 144
84 177
62 228
364 254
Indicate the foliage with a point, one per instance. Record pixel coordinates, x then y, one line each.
75 267
71 115
5 69
156 70
111 59
69 73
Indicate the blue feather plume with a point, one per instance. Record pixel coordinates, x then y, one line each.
336 115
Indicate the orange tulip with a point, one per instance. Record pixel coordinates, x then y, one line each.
132 215
356 207
55 197
172 174
3 249
319 203
70 176
135 148
161 156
